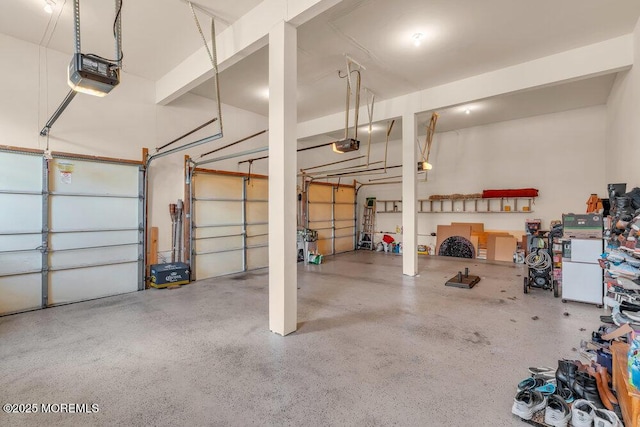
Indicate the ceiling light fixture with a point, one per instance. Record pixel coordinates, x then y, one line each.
49 5
467 111
417 39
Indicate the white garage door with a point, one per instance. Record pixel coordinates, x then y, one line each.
229 224
331 213
79 239
21 237
96 229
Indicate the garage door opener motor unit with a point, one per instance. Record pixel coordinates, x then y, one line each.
92 75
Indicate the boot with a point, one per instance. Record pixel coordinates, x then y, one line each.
604 397
566 373
586 387
604 377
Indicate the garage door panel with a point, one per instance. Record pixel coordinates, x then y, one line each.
344 223
20 242
218 244
217 186
214 213
257 212
320 212
254 230
320 193
60 241
344 244
212 265
95 282
345 195
19 212
84 257
20 262
93 213
20 293
344 212
90 177
257 240
325 246
345 232
20 172
206 232
257 258
258 189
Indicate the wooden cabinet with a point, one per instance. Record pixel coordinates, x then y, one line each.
628 398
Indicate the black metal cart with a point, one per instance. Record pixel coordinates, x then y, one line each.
539 261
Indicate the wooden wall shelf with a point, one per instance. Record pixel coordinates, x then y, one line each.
477 205
512 205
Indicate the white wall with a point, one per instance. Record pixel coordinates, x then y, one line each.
118 125
623 130
560 154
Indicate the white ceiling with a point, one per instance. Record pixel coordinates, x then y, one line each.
156 34
463 38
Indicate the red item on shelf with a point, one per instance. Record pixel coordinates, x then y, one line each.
517 192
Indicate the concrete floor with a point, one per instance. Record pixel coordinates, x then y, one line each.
373 348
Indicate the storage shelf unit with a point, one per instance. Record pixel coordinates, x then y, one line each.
477 205
471 205
389 206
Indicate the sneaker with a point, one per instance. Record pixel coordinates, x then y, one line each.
582 413
557 413
604 418
528 402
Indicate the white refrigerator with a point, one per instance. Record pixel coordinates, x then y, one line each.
581 273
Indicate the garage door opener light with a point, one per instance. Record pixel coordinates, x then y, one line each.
92 74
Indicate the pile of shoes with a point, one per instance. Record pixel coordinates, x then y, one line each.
574 394
625 218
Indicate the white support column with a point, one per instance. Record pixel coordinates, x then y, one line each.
283 276
409 196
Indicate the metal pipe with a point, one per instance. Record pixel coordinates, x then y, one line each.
208 122
232 156
298 150
184 147
63 106
358 173
381 183
388 177
234 143
351 169
332 163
